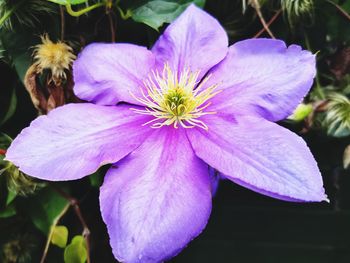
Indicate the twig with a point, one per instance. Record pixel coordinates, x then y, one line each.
111 25
75 204
340 9
318 89
109 5
256 6
49 237
62 22
86 230
82 11
268 23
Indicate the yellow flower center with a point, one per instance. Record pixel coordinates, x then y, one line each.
176 99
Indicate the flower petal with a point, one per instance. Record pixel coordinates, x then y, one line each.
75 140
157 199
261 156
106 73
264 77
194 40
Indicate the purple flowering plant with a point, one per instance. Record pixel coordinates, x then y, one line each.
163 118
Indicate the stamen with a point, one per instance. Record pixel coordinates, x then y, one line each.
175 100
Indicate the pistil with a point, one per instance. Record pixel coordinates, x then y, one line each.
176 99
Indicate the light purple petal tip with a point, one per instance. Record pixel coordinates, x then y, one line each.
156 200
75 140
261 156
263 77
106 73
194 40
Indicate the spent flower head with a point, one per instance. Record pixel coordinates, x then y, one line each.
337 116
56 57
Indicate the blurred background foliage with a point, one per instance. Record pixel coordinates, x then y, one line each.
61 222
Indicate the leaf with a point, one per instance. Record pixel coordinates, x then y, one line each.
5 140
155 13
8 211
65 2
11 109
44 208
10 197
95 180
59 236
76 251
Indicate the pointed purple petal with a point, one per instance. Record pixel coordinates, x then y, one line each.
194 40
75 140
157 199
260 155
106 73
264 77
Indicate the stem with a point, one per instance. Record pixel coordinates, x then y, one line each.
124 15
2 151
256 6
75 204
55 222
109 5
111 25
340 9
62 22
318 89
82 11
268 23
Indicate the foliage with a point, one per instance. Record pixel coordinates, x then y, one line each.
59 236
155 13
22 12
76 252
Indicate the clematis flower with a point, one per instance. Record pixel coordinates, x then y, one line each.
162 117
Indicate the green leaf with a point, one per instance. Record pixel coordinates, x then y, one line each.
76 251
65 2
155 13
5 140
8 211
10 197
45 207
96 179
11 109
59 236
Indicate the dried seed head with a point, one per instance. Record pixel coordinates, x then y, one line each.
56 57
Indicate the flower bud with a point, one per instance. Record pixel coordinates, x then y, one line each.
301 112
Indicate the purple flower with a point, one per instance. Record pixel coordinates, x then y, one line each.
161 117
